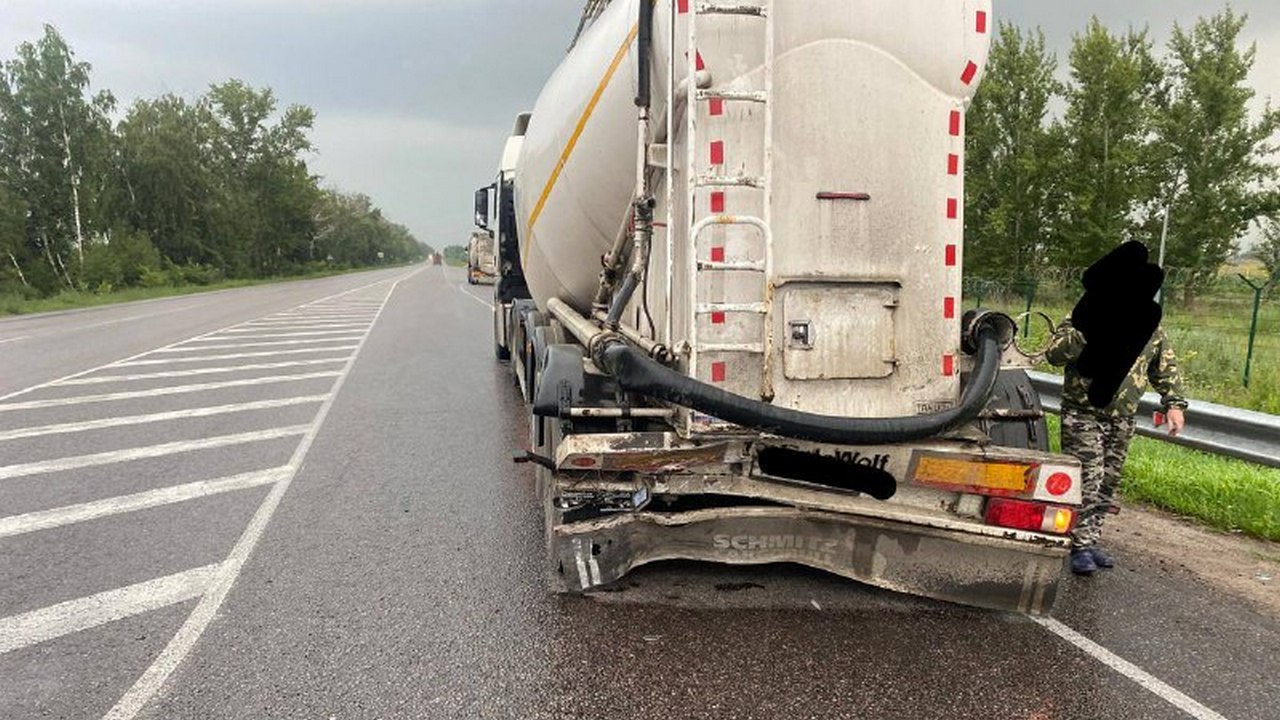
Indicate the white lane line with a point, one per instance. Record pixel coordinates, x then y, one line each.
269 335
1152 683
157 392
75 462
473 297
111 422
99 379
236 346
57 517
176 651
227 356
277 325
37 626
14 339
136 356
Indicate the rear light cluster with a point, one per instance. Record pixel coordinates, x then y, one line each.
1033 516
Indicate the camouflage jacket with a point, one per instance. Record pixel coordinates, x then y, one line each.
1156 364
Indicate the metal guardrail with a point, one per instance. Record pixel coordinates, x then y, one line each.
1216 429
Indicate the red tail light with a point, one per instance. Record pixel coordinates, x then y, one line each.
1035 517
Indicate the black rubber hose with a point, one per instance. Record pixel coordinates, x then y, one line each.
637 373
644 45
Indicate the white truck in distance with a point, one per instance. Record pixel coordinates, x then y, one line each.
730 240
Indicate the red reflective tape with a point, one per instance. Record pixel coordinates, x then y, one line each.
949 308
951 256
970 71
717 202
717 318
698 64
953 164
955 123
953 208
683 6
717 152
717 254
982 19
948 365
716 106
718 372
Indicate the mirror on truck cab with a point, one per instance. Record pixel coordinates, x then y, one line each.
482 207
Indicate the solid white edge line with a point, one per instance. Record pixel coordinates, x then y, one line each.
111 457
154 677
1151 683
37 626
191 413
242 346
113 363
464 291
165 390
71 514
236 334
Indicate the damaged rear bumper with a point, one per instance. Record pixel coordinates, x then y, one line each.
974 569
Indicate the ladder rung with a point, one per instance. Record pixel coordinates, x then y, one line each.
715 9
708 308
752 266
758 96
753 348
729 181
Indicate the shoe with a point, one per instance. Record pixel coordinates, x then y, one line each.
1082 562
1102 559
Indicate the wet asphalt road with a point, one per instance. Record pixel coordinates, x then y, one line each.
373 553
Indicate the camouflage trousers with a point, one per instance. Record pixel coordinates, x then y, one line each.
1101 444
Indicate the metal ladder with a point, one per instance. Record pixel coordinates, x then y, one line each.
700 268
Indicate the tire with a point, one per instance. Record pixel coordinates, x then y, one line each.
1014 393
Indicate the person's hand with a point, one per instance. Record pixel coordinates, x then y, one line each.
1176 421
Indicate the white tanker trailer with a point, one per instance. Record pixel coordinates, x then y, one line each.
729 286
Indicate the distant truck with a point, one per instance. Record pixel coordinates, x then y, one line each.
481 262
437 259
729 289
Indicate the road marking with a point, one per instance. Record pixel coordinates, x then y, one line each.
14 339
168 390
57 517
237 346
37 626
1153 684
176 651
111 457
110 422
289 325
98 379
464 291
136 356
229 356
223 337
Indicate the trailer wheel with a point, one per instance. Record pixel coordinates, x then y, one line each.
1014 417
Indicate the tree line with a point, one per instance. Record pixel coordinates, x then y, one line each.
1132 145
175 191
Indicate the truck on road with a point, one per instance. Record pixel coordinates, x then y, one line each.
729 244
481 263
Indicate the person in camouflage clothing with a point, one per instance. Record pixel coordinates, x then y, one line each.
1099 436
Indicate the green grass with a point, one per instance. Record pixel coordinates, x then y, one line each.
1222 493
11 304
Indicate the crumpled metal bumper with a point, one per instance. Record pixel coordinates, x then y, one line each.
952 565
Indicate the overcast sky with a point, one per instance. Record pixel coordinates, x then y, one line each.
415 97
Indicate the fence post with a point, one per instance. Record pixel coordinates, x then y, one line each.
1253 325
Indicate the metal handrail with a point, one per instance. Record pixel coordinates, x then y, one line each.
1212 428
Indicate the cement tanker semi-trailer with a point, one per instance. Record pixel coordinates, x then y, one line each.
729 245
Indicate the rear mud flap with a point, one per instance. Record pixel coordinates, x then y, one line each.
946 565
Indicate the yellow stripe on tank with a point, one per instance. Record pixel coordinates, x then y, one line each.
573 139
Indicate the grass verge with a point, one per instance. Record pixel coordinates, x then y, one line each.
1223 493
73 299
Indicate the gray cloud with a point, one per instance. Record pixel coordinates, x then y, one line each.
415 97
